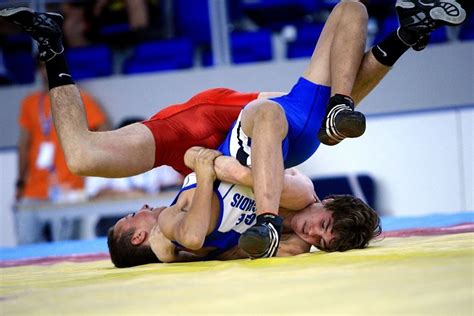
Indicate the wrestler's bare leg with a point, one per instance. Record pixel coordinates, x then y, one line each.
335 63
119 153
338 54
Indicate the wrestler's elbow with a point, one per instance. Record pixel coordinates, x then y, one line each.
192 240
79 163
193 243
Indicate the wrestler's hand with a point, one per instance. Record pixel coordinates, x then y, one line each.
204 163
190 156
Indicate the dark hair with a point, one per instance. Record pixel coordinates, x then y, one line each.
124 254
355 223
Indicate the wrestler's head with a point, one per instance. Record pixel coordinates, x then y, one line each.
338 223
128 238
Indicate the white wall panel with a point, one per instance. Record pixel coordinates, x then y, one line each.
467 144
413 158
8 168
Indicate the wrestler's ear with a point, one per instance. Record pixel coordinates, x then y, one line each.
138 237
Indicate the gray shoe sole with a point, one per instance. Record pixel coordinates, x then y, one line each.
11 11
447 12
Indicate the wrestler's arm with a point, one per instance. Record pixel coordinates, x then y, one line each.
297 193
124 152
370 73
165 250
190 228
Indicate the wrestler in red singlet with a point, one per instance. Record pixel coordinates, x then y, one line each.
204 120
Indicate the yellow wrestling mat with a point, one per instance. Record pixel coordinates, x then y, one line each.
417 275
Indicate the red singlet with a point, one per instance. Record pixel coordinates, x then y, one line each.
203 120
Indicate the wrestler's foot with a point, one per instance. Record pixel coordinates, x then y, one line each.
341 121
420 17
262 239
45 28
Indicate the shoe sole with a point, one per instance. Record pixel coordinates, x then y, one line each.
12 11
352 126
453 14
450 12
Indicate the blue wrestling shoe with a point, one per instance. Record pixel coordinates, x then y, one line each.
45 28
341 121
418 18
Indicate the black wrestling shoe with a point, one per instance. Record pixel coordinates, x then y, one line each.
44 28
424 16
341 121
262 239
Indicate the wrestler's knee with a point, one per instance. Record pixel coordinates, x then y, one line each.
352 11
273 115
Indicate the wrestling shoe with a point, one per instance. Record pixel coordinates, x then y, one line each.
44 28
341 121
262 239
423 16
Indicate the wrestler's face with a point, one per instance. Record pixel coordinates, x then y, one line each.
314 225
141 221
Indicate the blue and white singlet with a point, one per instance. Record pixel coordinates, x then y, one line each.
237 212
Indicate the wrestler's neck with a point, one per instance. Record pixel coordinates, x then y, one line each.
287 218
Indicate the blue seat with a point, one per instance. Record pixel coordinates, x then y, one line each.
305 42
466 32
275 14
325 186
439 35
388 25
192 20
251 46
18 60
21 67
308 5
160 56
90 62
246 47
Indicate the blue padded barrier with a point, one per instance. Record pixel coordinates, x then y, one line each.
90 62
160 56
325 186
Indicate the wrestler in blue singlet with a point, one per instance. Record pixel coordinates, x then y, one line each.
305 108
236 214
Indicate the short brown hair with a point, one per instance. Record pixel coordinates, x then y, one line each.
355 223
124 254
